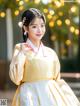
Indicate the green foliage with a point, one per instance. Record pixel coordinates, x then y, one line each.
4 4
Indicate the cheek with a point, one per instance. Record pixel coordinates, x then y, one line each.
33 30
44 30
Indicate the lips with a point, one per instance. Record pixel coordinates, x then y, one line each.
38 34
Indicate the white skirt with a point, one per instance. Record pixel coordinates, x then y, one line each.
45 93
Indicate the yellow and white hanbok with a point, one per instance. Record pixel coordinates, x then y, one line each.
37 74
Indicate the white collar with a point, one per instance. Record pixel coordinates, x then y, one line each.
36 49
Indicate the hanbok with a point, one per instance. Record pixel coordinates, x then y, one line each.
36 71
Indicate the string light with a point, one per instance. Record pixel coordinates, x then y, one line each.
16 12
46 1
68 42
53 38
58 4
55 17
67 21
21 8
51 12
59 22
77 31
2 14
21 3
37 1
51 23
62 2
49 16
72 29
60 13
45 10
73 9
26 0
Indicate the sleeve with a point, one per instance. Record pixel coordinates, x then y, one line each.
56 67
17 65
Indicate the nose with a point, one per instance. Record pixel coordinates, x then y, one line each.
39 29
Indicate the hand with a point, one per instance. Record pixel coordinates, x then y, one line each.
25 47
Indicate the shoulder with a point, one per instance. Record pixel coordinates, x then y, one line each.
52 52
17 46
23 46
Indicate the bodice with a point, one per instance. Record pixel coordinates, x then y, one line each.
38 67
29 66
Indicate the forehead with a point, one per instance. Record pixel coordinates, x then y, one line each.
37 21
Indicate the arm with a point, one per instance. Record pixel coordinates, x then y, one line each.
17 65
56 67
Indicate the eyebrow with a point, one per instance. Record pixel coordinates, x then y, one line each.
36 24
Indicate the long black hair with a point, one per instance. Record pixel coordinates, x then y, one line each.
27 18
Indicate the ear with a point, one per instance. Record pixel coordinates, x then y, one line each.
25 28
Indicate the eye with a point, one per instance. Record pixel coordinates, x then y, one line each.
33 26
42 25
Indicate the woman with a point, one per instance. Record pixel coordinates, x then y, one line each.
35 68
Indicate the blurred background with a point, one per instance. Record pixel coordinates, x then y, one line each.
62 35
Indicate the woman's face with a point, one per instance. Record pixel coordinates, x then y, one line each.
36 29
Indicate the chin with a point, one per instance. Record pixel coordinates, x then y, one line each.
40 38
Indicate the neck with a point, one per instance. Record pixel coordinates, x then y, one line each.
35 43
